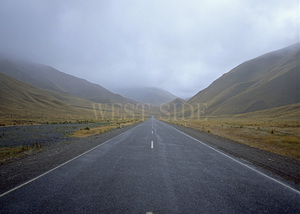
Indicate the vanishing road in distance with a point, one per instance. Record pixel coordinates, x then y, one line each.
154 168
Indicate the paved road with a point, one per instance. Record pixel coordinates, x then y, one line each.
153 168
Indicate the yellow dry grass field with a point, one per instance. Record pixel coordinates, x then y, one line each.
277 136
34 118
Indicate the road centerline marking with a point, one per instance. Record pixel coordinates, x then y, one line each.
152 146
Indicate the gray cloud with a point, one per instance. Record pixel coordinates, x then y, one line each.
181 46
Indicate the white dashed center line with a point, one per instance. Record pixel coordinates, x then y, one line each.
152 144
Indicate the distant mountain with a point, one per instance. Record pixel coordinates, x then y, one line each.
172 108
46 77
32 93
177 101
175 104
153 96
269 81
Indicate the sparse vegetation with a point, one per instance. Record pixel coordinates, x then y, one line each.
9 153
281 136
104 128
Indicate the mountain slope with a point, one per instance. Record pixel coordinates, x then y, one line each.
269 81
288 111
20 100
46 77
22 103
153 96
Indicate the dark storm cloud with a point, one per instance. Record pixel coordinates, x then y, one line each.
181 46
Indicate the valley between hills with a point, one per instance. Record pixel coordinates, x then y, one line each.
257 104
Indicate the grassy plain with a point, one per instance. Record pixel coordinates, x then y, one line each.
277 135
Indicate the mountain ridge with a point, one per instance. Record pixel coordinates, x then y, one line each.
47 77
20 101
251 86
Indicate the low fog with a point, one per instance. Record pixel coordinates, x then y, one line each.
179 46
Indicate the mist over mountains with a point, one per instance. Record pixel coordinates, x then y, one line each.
266 82
46 77
153 96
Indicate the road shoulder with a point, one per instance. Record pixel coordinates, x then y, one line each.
285 167
26 168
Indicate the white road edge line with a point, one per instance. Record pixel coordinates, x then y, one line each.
45 173
152 144
249 167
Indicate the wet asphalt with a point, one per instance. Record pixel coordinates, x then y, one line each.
154 168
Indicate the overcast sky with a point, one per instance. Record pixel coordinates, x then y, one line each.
178 45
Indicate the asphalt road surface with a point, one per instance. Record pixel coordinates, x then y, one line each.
153 168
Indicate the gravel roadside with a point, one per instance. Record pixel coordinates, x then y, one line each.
21 170
287 168
29 167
